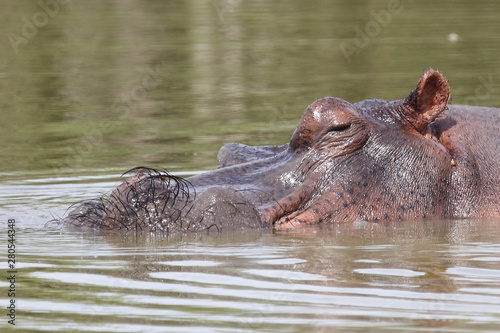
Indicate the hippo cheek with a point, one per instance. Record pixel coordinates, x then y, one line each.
318 198
333 205
281 211
324 208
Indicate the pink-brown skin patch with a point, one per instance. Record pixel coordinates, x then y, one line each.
403 166
410 159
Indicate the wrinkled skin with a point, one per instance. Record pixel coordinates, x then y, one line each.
410 159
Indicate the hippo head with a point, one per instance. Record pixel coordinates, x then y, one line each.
372 160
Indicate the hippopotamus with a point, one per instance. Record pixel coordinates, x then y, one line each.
375 160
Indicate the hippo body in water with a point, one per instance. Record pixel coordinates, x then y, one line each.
409 159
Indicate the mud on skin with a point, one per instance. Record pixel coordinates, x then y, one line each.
409 159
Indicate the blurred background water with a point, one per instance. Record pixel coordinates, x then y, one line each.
90 89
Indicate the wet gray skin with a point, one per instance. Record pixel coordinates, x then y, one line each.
373 160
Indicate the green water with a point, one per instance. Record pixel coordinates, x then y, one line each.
90 89
116 84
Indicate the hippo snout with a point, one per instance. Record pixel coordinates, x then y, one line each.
154 201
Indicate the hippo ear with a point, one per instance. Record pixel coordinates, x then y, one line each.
427 101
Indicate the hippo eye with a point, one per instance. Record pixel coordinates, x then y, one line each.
339 128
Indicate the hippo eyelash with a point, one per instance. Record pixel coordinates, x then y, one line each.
339 128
